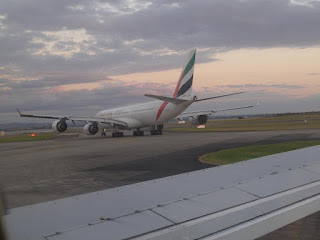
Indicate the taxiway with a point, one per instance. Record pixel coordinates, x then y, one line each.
37 171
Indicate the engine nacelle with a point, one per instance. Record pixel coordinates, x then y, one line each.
90 129
198 120
59 126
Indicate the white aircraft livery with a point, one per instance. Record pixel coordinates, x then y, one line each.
153 114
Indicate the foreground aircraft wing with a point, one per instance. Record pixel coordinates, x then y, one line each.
73 118
210 112
239 201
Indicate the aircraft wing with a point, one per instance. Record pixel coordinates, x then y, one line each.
243 200
210 112
74 118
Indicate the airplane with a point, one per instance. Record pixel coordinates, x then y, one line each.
153 114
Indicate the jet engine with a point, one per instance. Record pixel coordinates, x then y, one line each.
198 120
59 126
90 129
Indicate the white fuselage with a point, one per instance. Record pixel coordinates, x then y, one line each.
145 114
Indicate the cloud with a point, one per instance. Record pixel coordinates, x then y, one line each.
110 94
64 43
46 45
314 74
126 36
285 86
3 81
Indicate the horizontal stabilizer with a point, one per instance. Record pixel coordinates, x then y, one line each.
166 99
226 95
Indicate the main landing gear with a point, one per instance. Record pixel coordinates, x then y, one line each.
156 130
117 134
138 133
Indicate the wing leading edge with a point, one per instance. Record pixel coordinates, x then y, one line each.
212 111
74 118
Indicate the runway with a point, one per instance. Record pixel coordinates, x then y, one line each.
32 172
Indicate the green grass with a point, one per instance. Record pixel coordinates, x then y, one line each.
26 137
245 153
241 128
285 122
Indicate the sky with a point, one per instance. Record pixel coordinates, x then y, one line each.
79 57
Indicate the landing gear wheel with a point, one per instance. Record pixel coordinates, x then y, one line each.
156 132
138 133
156 129
117 134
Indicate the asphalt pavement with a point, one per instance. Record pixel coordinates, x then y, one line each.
37 171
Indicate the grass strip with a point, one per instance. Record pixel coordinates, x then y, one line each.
26 137
245 153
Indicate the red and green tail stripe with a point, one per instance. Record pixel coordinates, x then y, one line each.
183 74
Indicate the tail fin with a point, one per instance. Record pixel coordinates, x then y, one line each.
184 87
